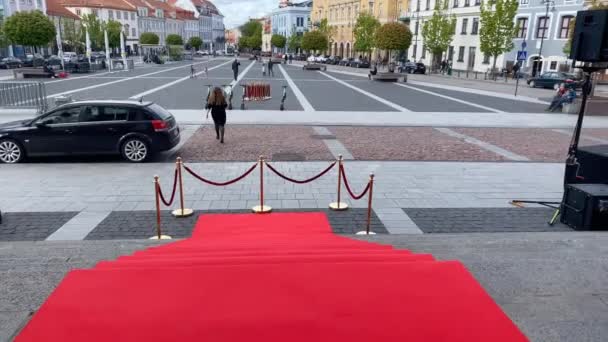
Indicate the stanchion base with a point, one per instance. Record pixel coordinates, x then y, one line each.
365 233
184 213
261 209
338 206
162 237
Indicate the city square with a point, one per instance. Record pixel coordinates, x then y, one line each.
445 154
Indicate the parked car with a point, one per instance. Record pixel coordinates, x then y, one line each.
136 130
10 63
359 63
35 60
333 60
414 68
551 79
345 61
70 56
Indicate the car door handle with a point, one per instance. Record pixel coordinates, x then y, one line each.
111 129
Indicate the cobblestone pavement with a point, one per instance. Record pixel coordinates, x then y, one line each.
484 220
120 225
243 143
32 226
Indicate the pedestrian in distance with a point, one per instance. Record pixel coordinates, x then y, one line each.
290 59
217 106
515 70
270 69
235 68
285 57
191 70
264 69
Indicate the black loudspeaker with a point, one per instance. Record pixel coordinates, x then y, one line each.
590 38
593 166
585 207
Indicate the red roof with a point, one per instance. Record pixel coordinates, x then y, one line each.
141 3
55 9
113 4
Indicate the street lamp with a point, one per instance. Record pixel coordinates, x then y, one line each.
547 3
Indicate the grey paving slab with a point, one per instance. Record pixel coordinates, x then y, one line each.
410 99
506 105
79 226
32 226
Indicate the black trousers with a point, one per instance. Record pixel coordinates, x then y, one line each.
236 74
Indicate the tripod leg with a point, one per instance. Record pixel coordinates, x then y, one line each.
554 217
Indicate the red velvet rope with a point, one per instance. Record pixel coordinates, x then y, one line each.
355 197
160 191
221 183
301 181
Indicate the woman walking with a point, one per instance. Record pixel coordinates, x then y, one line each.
217 105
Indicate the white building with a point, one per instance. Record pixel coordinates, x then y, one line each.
105 10
464 52
291 18
218 37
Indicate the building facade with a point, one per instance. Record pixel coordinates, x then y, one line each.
544 26
8 7
266 34
291 18
342 15
217 37
210 20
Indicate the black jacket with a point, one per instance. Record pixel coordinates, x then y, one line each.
235 65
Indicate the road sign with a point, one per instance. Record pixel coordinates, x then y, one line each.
524 45
522 55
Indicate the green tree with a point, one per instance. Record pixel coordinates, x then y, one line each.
174 39
3 39
94 26
195 42
70 35
251 35
149 38
114 28
365 33
314 41
438 31
393 37
497 27
295 42
278 40
328 31
29 28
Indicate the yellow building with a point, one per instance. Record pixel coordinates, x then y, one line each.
342 16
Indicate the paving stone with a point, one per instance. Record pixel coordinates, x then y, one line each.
32 226
484 220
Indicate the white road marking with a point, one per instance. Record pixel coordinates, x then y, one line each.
484 145
242 74
586 136
179 80
335 147
377 98
92 75
79 226
451 98
117 81
296 91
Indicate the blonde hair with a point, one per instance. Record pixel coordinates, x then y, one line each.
216 98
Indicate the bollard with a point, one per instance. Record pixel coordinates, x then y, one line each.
181 212
339 206
369 208
159 235
261 209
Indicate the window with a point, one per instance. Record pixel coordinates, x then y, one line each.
78 12
564 27
461 54
417 7
477 2
111 14
450 53
542 28
300 21
455 3
467 3
416 26
423 56
95 13
30 2
524 2
428 5
475 29
553 65
522 28
117 14
465 23
132 15
115 113
125 15
39 2
486 59
64 116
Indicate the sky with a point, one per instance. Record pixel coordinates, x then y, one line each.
237 12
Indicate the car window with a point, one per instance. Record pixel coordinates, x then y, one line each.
116 113
160 111
62 116
138 114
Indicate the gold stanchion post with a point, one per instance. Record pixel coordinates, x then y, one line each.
338 205
261 209
181 212
369 208
158 235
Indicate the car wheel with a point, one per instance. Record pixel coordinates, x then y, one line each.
556 86
11 152
135 150
532 84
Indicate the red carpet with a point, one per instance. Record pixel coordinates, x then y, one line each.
277 277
